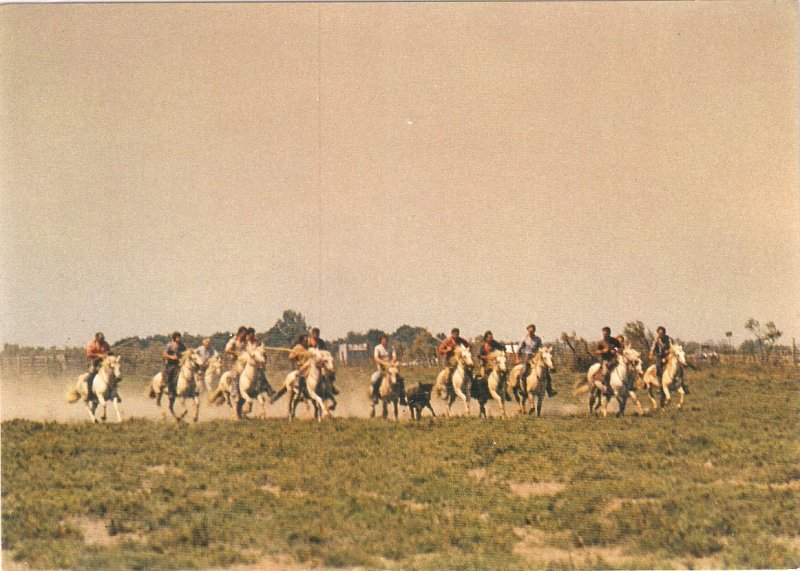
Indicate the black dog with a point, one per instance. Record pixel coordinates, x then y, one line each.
419 398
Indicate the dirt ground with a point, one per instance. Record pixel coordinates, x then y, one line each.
43 398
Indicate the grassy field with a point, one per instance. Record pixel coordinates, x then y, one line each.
713 485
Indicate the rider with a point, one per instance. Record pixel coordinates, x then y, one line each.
205 352
607 349
383 359
96 351
448 350
659 351
235 347
527 349
172 356
315 342
300 354
251 343
488 346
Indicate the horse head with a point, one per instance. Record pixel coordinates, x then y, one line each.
392 374
191 359
677 350
114 364
215 364
326 360
546 355
258 355
464 355
633 359
499 358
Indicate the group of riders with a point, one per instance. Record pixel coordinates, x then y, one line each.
245 341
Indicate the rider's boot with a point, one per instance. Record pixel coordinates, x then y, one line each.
301 384
89 383
549 387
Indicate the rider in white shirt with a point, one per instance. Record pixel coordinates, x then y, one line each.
383 358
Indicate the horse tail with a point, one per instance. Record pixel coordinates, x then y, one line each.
216 397
279 394
73 395
581 386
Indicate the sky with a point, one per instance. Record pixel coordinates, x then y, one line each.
196 167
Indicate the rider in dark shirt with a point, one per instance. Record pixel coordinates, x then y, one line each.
607 349
660 349
172 358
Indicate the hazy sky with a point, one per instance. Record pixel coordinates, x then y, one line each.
197 167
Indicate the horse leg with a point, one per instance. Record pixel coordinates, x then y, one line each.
539 399
666 397
263 406
460 394
159 396
395 410
321 403
115 402
185 408
499 400
681 392
196 400
621 400
102 402
172 408
653 402
91 406
639 409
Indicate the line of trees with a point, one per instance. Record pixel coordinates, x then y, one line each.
416 343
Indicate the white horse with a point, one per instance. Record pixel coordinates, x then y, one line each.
496 360
248 363
212 373
320 373
535 383
388 392
105 387
458 387
253 384
622 382
671 379
185 387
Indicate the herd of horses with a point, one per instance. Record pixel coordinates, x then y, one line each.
524 384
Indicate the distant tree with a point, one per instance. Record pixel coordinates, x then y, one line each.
423 347
765 338
286 329
582 357
405 334
748 348
355 337
374 336
639 337
771 336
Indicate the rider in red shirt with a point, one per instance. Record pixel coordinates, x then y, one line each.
96 351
